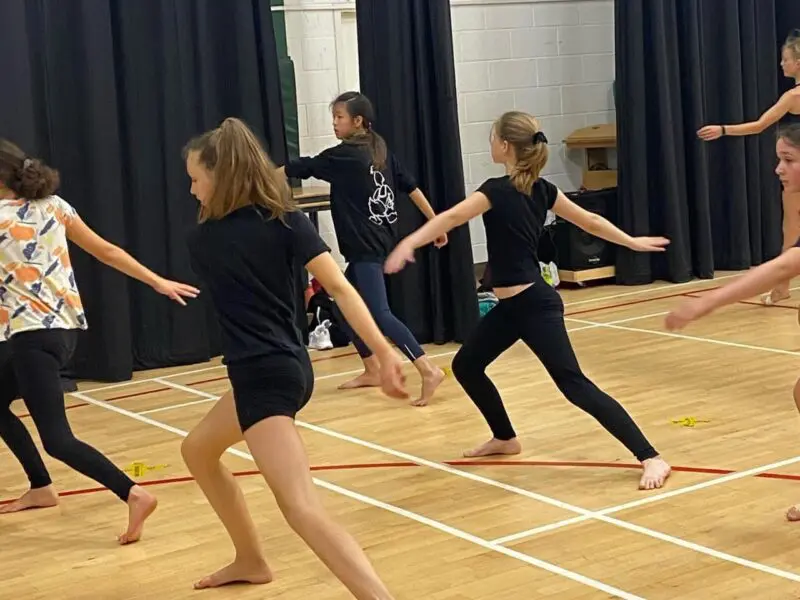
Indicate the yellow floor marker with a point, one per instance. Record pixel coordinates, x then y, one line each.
138 469
688 421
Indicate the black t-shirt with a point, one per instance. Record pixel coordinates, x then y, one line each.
514 225
249 264
362 198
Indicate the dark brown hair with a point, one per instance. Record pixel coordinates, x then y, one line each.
243 173
522 131
27 177
358 105
790 134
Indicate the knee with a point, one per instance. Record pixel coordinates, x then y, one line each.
193 450
60 447
464 367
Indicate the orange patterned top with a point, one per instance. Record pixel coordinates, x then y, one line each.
37 284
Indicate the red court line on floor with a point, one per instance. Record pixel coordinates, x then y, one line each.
750 302
452 463
633 302
216 379
164 389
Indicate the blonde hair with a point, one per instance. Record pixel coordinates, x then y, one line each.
243 173
792 43
522 131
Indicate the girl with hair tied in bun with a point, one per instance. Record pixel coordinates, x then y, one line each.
40 315
514 208
785 111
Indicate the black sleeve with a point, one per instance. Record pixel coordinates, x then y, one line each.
403 180
550 193
490 189
306 242
319 166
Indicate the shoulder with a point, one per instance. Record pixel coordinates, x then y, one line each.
496 188
546 190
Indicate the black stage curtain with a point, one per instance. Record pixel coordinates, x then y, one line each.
682 64
109 91
407 69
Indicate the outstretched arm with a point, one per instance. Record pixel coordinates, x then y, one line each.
760 279
81 234
769 118
330 276
603 228
474 205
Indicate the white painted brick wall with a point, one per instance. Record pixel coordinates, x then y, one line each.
552 58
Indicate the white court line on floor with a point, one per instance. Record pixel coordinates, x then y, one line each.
468 537
669 286
163 380
682 336
584 513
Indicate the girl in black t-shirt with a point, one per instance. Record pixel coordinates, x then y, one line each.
762 278
514 209
365 178
247 249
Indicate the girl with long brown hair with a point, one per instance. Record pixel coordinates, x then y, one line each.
247 248
514 209
786 111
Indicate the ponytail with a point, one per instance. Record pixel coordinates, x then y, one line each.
243 173
521 130
29 178
358 105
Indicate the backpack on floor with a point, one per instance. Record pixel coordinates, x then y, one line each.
326 316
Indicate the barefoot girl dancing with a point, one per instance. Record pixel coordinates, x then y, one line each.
514 208
40 315
787 111
762 278
247 248
364 177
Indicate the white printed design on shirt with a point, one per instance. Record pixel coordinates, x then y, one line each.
381 204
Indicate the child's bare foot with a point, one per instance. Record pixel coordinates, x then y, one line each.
774 297
44 497
366 379
495 446
430 382
793 514
141 505
656 471
239 571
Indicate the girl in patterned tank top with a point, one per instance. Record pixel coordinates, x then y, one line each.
40 314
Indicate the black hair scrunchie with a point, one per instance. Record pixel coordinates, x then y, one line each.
539 138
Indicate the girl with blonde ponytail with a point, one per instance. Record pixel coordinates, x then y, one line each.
514 208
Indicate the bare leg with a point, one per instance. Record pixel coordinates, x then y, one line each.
793 514
281 458
791 231
371 377
201 451
431 375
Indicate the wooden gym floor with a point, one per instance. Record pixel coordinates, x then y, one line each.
563 520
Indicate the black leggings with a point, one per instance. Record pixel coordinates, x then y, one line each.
536 316
30 366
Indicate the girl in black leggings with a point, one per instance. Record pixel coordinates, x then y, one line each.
364 178
40 316
514 208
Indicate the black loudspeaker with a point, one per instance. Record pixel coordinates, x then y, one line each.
578 250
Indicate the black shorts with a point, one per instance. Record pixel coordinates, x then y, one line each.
270 386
